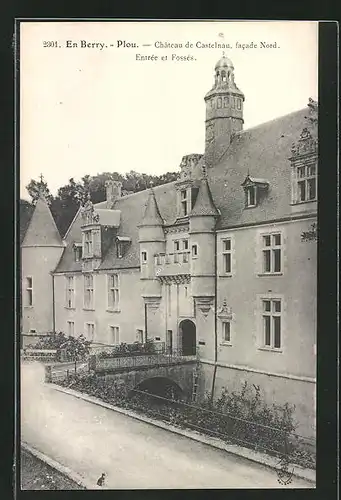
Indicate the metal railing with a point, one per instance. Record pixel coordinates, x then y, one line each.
138 361
39 354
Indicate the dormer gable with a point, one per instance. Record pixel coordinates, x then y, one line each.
255 190
187 186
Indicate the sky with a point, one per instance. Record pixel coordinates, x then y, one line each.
87 110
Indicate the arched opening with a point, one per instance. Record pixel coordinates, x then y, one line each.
157 390
187 332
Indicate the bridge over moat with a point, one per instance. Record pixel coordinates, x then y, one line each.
152 373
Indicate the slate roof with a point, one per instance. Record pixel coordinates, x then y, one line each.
204 204
151 216
108 217
42 229
263 152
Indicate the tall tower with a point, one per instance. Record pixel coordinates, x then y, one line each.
224 111
41 251
152 242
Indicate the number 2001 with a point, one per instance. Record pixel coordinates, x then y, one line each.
50 44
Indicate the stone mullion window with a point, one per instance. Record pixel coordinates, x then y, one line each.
70 292
29 290
113 292
272 253
227 256
88 291
272 323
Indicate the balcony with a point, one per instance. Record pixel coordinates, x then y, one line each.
170 264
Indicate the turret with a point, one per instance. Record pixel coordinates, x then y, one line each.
224 111
41 251
202 242
152 242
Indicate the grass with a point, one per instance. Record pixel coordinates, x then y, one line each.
36 475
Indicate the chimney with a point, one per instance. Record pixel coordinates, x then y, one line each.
113 192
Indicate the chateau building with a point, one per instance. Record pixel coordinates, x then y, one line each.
212 264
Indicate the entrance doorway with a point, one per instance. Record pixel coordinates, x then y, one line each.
187 331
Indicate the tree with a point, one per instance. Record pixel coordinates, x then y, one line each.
71 196
25 213
35 188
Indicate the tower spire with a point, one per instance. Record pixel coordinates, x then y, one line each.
152 216
224 110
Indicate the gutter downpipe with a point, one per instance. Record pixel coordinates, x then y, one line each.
215 317
53 307
145 322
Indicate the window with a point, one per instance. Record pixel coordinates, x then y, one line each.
33 330
115 334
144 257
272 323
139 336
78 252
251 196
71 328
272 253
185 246
194 251
227 260
88 291
184 210
113 291
88 249
226 331
70 292
306 183
90 331
176 246
120 250
29 291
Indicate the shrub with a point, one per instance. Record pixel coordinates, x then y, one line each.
236 417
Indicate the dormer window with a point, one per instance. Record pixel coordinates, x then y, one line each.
184 207
121 245
88 244
255 190
306 183
78 251
251 196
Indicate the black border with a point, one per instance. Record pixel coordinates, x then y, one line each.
327 304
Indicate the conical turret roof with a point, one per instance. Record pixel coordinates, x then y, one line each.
204 204
42 229
152 216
